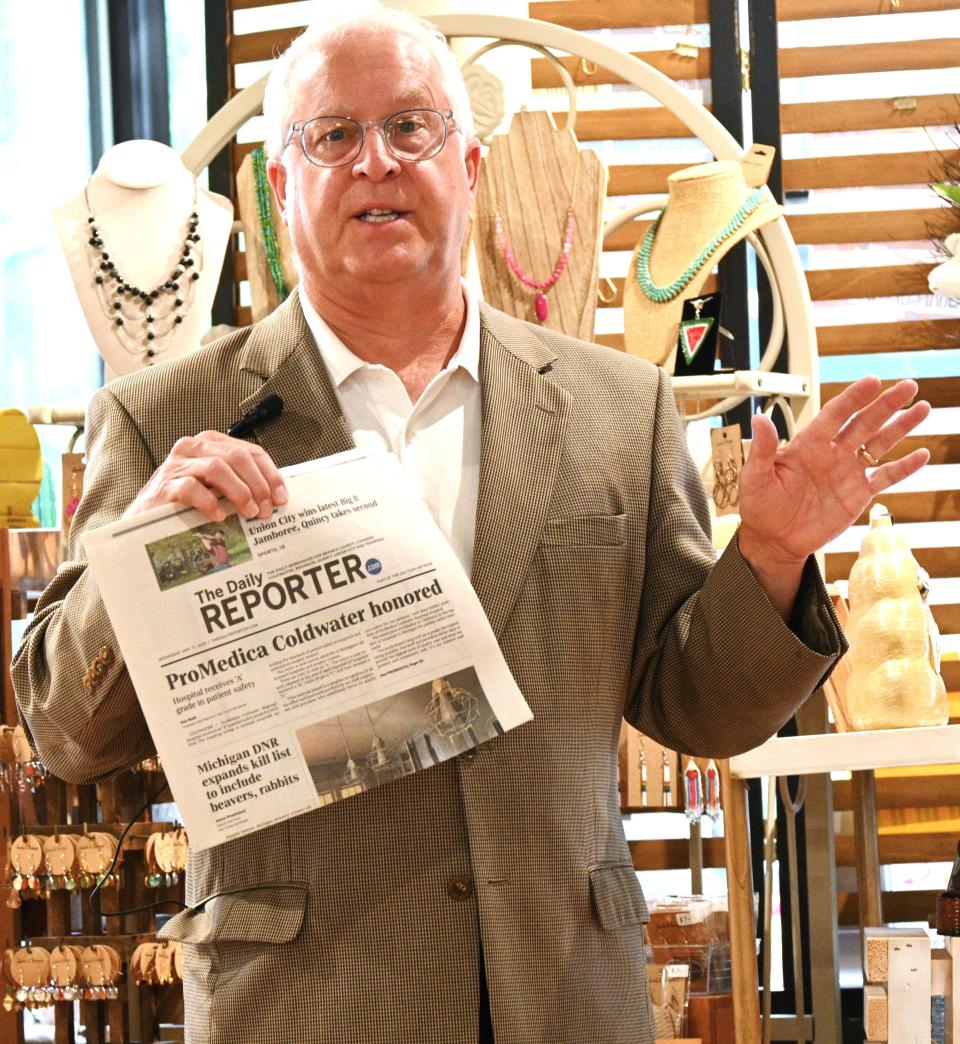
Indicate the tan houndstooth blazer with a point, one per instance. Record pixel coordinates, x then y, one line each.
361 923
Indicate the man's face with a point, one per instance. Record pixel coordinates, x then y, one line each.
372 75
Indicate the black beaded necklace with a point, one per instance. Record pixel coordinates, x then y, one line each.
144 320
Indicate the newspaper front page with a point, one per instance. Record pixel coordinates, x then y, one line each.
286 663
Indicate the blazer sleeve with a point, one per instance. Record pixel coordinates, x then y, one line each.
716 670
86 724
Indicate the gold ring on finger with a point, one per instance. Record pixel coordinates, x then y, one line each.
869 459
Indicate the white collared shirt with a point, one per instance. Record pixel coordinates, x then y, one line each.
437 439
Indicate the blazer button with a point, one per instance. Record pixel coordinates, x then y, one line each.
469 755
460 887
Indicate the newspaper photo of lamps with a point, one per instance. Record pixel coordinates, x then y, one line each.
354 775
361 747
451 711
381 757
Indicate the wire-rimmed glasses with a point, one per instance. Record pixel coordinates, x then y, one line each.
413 135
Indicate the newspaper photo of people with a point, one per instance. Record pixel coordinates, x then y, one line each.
201 551
396 736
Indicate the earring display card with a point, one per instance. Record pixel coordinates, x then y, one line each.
649 773
712 800
697 336
727 459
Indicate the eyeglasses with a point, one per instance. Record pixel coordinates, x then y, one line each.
414 135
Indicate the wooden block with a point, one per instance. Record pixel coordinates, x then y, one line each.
908 990
952 993
940 967
710 1016
876 949
875 1012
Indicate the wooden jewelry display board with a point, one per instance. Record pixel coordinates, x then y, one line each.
58 838
55 918
533 177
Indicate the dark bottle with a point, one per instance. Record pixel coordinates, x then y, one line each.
948 902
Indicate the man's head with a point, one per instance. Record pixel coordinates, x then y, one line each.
381 217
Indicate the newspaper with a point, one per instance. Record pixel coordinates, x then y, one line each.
285 663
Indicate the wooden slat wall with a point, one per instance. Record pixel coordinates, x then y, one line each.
919 814
624 14
852 288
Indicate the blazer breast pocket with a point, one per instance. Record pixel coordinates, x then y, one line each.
585 531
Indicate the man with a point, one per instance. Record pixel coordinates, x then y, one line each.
583 521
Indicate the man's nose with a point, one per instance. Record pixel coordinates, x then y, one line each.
375 160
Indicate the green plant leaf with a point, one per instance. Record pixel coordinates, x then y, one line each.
951 193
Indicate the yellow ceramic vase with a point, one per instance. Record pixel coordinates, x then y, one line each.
893 681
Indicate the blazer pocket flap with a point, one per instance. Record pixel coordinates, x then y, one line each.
617 896
267 914
585 531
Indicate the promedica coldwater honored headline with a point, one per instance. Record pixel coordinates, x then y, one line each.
238 601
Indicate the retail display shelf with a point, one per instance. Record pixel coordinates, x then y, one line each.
744 382
839 751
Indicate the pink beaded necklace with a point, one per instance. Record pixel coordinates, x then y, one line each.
540 285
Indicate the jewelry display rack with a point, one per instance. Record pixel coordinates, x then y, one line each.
816 755
28 561
780 257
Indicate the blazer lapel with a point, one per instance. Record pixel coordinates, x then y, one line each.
524 418
282 351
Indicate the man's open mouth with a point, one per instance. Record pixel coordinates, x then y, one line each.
379 216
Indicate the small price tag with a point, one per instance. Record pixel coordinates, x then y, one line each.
757 164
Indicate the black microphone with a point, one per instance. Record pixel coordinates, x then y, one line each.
267 410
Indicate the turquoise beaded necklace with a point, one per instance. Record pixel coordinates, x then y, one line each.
662 294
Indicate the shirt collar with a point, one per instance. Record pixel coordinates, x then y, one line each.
341 362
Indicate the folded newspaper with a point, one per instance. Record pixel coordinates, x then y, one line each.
288 662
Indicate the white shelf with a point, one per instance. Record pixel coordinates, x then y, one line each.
834 752
742 382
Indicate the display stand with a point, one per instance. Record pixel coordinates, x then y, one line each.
28 560
139 1011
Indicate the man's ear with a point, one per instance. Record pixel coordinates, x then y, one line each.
471 159
277 176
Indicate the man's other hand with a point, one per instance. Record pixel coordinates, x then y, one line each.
796 497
